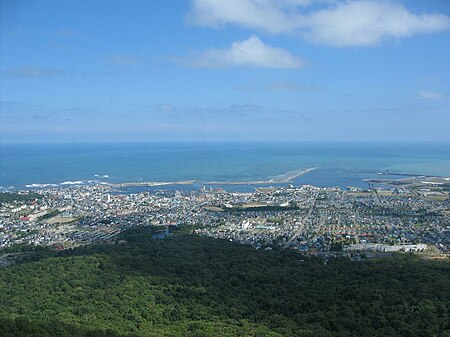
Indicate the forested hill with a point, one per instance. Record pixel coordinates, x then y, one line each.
193 286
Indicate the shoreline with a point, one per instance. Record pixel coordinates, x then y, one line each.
284 178
153 183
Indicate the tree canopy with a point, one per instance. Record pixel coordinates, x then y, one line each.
187 285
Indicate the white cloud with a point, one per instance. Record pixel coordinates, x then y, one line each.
266 15
430 94
347 23
365 23
251 52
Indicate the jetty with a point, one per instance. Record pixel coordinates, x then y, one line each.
281 179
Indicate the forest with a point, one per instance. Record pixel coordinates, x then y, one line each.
186 285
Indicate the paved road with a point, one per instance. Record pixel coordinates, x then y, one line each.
302 225
375 193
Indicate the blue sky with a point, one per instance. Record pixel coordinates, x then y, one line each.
163 70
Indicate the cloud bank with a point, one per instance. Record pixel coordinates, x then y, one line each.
340 24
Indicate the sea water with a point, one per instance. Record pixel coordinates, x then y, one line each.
27 166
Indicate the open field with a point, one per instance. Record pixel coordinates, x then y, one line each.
62 219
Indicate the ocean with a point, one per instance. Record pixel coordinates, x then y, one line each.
28 166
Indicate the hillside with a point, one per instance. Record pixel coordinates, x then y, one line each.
194 286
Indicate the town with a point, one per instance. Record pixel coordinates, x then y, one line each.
312 220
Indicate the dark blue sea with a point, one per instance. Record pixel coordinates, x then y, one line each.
28 166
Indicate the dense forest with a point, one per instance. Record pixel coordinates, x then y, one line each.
186 285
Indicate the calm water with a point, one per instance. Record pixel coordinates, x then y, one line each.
340 164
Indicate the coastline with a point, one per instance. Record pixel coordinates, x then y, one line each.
225 164
154 183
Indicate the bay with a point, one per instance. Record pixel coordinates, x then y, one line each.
23 166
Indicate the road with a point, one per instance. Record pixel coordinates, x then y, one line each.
375 193
302 225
